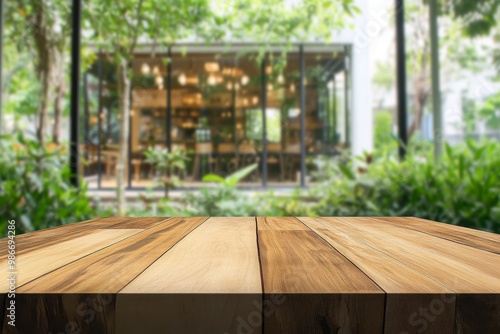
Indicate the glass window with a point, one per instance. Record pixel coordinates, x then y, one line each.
253 124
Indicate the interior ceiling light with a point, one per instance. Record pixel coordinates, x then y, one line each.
292 88
159 80
281 79
212 80
156 70
255 100
229 86
212 67
145 69
182 79
244 80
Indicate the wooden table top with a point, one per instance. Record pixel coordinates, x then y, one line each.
386 260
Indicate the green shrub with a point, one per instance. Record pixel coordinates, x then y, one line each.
35 189
462 189
384 137
223 199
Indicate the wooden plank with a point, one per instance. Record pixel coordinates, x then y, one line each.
391 274
478 239
408 289
142 222
53 236
62 313
280 224
318 288
83 293
213 272
453 265
478 313
114 267
218 257
42 260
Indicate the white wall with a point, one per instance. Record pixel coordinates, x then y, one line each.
361 112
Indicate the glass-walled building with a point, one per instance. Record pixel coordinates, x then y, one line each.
225 108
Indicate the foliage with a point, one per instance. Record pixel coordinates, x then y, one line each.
165 163
224 199
384 137
35 188
478 16
490 111
462 189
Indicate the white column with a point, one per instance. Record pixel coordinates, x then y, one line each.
361 113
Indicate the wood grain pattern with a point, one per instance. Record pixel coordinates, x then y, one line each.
54 235
298 261
109 270
453 265
42 260
220 256
408 289
255 275
214 272
143 222
478 239
317 283
392 275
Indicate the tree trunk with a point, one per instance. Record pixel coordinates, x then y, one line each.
124 110
421 93
58 102
45 97
46 52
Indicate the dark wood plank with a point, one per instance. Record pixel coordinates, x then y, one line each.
320 286
281 224
63 313
478 313
142 222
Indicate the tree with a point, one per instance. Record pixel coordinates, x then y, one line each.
478 17
419 63
457 58
41 27
126 22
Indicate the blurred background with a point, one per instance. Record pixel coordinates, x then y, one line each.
267 108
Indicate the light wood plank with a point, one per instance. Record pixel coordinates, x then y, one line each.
478 239
461 268
35 240
213 272
111 269
34 264
218 257
391 274
320 290
408 289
